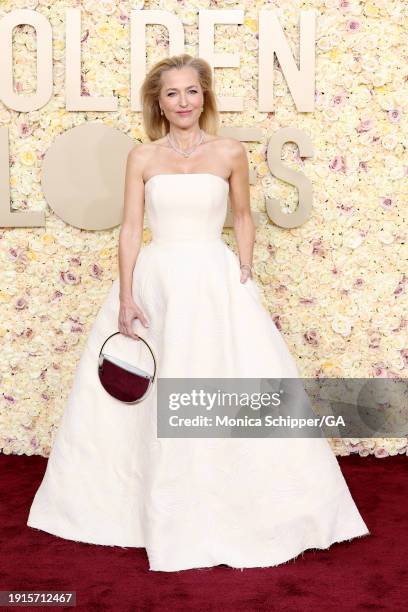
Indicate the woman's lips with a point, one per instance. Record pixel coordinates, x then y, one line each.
183 112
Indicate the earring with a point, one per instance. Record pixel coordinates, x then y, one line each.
161 111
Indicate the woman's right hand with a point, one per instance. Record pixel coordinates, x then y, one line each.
128 311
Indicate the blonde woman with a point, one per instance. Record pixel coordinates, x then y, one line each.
191 502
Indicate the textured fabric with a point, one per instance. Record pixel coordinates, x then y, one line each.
190 502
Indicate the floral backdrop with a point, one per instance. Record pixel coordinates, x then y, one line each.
336 287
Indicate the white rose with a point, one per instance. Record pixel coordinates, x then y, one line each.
389 141
341 325
353 239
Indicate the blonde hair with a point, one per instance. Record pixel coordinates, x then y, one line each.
157 125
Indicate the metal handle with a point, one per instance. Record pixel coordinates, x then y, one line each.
146 343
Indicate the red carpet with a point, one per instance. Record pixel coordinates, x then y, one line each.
369 573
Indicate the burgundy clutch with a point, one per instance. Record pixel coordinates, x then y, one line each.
122 380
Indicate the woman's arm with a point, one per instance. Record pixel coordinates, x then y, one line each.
244 227
131 231
130 241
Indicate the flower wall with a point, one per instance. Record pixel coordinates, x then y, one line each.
336 287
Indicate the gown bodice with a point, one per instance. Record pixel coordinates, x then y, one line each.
186 206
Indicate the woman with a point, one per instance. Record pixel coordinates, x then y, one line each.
191 502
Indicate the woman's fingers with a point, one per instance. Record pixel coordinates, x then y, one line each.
245 274
144 319
129 329
126 319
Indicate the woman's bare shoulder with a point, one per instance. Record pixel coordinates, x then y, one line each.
145 148
232 144
141 153
227 145
229 150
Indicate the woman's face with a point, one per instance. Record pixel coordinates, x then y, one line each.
181 91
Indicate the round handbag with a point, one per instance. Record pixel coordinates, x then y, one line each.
122 380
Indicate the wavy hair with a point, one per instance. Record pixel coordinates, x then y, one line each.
157 125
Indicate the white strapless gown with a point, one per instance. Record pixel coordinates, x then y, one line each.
191 502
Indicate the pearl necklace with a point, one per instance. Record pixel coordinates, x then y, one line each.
185 153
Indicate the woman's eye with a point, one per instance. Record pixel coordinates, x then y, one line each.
191 91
